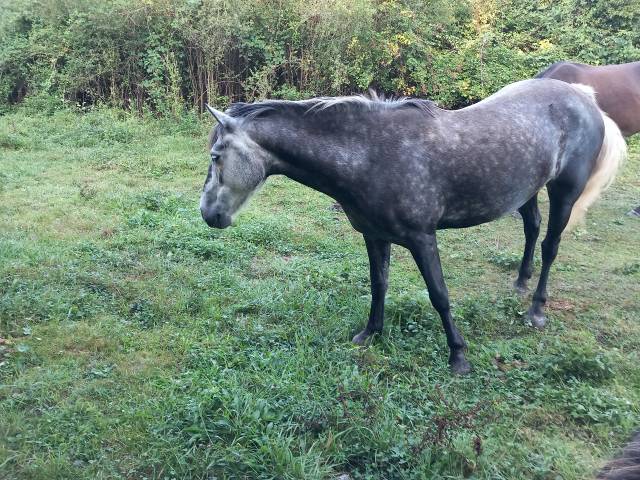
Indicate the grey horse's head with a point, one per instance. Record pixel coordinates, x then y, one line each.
238 168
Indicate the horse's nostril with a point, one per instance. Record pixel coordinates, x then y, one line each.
208 218
215 220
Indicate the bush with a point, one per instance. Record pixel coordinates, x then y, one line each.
166 55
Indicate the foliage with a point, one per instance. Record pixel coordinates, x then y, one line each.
166 55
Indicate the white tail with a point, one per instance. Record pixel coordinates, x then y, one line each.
611 157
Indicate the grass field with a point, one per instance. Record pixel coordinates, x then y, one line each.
137 343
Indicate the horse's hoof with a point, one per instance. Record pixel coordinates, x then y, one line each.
521 287
537 320
363 338
462 367
459 365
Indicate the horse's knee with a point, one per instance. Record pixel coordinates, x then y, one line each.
441 304
536 221
550 249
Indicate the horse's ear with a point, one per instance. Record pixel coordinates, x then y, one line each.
222 118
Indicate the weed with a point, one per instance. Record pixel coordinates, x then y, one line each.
505 260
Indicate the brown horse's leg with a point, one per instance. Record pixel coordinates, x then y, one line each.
379 252
531 220
425 252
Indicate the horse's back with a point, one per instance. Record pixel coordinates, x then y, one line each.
569 72
572 72
540 101
514 142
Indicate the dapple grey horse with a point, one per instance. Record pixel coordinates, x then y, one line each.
404 169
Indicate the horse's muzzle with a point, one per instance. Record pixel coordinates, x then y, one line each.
216 220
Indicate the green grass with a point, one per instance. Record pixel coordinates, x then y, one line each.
137 343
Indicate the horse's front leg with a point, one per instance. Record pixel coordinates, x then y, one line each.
379 252
425 252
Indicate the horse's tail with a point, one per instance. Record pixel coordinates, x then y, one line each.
626 466
612 155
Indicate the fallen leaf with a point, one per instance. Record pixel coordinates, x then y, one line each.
504 366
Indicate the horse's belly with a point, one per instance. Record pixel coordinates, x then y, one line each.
484 203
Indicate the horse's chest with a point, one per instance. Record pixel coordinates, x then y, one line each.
358 220
367 223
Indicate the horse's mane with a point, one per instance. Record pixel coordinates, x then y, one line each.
627 465
373 102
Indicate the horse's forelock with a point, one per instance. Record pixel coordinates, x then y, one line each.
213 136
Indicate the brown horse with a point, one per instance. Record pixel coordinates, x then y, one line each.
617 87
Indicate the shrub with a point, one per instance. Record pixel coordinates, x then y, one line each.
164 55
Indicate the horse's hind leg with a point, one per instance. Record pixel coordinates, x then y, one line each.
562 196
531 219
379 252
425 252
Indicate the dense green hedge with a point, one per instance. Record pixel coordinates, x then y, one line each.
166 55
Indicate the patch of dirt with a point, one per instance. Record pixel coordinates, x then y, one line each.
561 305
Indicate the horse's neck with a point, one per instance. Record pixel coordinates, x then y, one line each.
318 180
306 158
